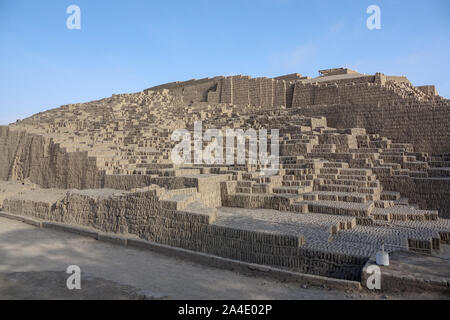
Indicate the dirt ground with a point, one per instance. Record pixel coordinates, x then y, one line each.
33 263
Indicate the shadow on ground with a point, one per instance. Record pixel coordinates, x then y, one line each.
51 285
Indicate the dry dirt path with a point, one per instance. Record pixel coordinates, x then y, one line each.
33 262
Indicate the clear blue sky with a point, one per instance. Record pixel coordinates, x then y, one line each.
127 46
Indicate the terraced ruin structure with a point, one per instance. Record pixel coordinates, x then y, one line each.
364 161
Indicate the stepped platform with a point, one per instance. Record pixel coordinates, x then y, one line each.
344 185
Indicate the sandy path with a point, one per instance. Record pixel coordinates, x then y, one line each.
24 248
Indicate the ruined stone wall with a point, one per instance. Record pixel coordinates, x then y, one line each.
303 95
268 92
428 90
291 77
244 90
45 163
191 90
226 93
343 93
333 91
401 79
30 156
427 193
425 125
7 149
145 214
180 84
279 96
207 187
214 95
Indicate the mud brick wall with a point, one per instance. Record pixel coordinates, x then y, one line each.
142 213
426 125
303 95
191 90
249 201
280 98
215 93
291 77
295 149
326 94
342 93
267 92
129 182
208 187
177 85
239 90
365 79
343 142
36 209
429 90
433 194
226 95
243 90
197 92
397 79
278 250
29 156
123 213
289 94
254 92
6 152
428 193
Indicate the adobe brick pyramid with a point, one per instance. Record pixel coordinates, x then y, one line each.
364 161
